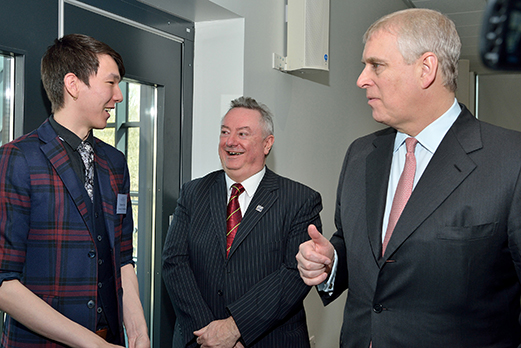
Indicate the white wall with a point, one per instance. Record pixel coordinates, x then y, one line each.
314 121
218 78
316 117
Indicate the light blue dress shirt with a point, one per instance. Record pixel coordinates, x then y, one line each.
428 141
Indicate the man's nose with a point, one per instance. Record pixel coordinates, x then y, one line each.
363 80
231 140
118 95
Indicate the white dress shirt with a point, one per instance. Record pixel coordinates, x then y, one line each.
250 186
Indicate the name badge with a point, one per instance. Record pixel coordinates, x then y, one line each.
121 207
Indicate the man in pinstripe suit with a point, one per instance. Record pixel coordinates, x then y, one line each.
252 297
66 268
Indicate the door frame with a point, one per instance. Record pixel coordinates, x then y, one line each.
160 315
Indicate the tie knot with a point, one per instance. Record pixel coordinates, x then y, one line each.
85 147
410 144
237 189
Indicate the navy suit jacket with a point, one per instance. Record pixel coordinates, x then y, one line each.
450 274
258 284
46 229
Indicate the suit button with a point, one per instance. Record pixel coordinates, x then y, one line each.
91 304
92 254
220 293
377 308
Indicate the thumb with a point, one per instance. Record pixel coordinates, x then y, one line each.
316 236
321 245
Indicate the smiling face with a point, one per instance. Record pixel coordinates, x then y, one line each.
392 86
102 94
243 146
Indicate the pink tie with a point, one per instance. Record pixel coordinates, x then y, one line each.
234 215
403 190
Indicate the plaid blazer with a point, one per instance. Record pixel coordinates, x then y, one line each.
45 227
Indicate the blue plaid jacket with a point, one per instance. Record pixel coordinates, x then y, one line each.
45 228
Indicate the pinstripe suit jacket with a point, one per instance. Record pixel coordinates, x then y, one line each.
258 284
45 238
450 276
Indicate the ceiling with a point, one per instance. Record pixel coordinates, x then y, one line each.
466 14
468 17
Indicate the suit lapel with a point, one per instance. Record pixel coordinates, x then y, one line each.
218 204
107 192
261 203
57 156
447 169
378 167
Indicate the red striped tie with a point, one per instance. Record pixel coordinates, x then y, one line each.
234 215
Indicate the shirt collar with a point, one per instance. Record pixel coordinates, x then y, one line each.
250 185
431 137
69 137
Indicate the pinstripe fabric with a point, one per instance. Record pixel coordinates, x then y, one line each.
45 223
259 284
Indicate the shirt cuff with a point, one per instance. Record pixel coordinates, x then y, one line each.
328 286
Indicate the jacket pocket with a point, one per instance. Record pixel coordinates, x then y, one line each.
467 233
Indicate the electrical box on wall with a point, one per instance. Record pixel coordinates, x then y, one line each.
307 38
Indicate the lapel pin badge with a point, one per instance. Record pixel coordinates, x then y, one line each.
259 208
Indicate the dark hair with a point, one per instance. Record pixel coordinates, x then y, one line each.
77 54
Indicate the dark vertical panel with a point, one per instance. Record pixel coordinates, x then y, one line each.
153 59
28 28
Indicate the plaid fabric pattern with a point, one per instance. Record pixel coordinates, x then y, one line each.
45 225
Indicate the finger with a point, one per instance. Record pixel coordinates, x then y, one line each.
309 254
200 332
312 281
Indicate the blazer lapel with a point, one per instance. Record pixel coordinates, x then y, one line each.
261 203
217 193
378 167
449 166
108 194
57 156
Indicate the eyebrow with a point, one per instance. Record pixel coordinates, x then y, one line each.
371 60
240 128
114 76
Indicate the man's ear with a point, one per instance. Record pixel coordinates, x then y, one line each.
71 84
268 143
429 69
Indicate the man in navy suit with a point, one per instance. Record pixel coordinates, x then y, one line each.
66 270
446 272
244 292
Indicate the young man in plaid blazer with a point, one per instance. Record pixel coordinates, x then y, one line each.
66 271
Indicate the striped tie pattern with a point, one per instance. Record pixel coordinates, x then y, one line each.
403 190
234 215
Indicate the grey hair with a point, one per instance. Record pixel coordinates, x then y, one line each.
422 30
252 104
